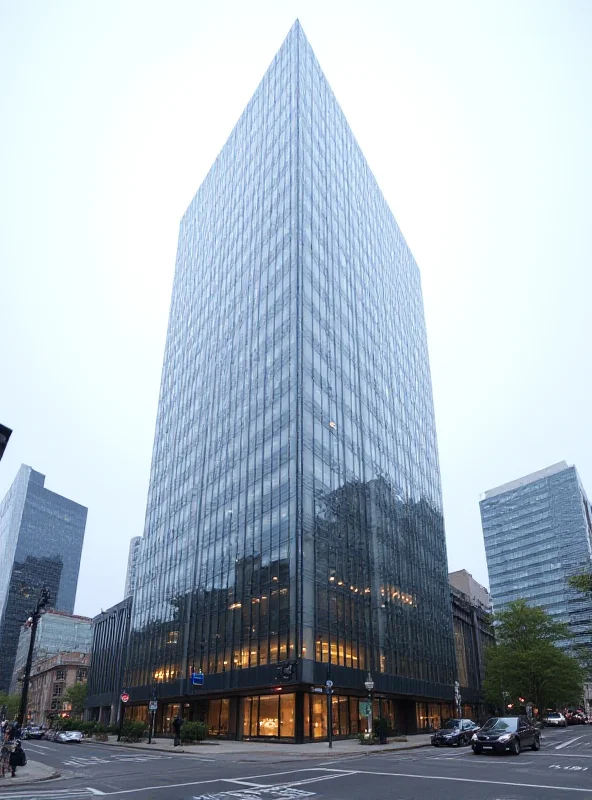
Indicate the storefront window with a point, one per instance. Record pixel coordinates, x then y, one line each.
434 718
353 714
246 703
319 717
287 714
170 712
268 715
422 716
214 717
224 714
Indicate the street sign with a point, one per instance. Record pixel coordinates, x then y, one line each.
197 678
317 689
153 706
329 684
124 697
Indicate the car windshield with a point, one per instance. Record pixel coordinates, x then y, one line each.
554 715
499 724
452 723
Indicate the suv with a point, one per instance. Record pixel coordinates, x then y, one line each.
506 733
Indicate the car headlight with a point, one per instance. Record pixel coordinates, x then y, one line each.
505 738
474 737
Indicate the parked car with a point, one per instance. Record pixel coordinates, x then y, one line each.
64 737
33 732
506 733
555 719
50 734
575 718
456 732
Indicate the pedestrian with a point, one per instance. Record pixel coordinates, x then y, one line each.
17 757
177 722
4 756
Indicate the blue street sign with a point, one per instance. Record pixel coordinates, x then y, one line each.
197 678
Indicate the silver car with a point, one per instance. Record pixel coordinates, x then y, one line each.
555 719
68 736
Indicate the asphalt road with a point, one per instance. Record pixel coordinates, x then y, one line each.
561 769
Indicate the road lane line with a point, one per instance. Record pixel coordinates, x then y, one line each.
472 780
566 744
94 791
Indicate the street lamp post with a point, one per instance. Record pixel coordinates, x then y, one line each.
32 622
369 684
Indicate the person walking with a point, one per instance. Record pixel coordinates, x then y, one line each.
4 756
17 757
177 722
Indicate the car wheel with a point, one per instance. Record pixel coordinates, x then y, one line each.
515 747
477 750
536 745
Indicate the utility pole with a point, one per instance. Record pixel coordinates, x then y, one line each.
32 622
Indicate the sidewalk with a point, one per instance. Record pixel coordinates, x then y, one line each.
211 748
31 773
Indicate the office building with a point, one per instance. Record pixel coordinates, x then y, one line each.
57 632
4 437
473 634
41 535
294 525
538 532
110 631
477 594
132 565
50 680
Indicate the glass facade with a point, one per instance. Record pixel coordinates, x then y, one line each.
538 531
41 535
294 513
57 632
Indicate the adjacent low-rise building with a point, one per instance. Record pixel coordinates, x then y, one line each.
50 679
110 630
473 633
57 632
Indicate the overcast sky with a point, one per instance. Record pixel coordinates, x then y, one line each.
476 119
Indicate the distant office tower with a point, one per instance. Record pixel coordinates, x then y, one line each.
132 565
538 532
4 437
41 535
110 631
57 632
294 524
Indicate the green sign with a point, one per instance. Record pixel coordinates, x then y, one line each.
364 708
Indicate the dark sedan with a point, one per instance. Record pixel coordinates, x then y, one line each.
33 732
455 732
506 733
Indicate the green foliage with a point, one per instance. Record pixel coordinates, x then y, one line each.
194 731
133 731
113 729
583 582
12 703
76 695
526 662
100 732
88 728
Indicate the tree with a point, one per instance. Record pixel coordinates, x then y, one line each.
11 704
76 695
526 665
583 582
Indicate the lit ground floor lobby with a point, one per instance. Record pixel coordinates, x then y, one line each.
286 714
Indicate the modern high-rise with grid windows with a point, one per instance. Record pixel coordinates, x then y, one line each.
294 527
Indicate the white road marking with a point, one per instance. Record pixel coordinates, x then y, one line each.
566 744
472 780
243 783
94 791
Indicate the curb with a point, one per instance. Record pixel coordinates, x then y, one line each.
27 782
181 751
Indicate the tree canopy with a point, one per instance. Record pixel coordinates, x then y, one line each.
11 703
76 695
583 582
527 665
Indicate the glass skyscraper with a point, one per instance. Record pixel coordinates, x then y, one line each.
294 523
538 532
41 535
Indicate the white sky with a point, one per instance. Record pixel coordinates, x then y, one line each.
476 118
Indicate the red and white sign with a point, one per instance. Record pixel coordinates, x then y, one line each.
124 697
